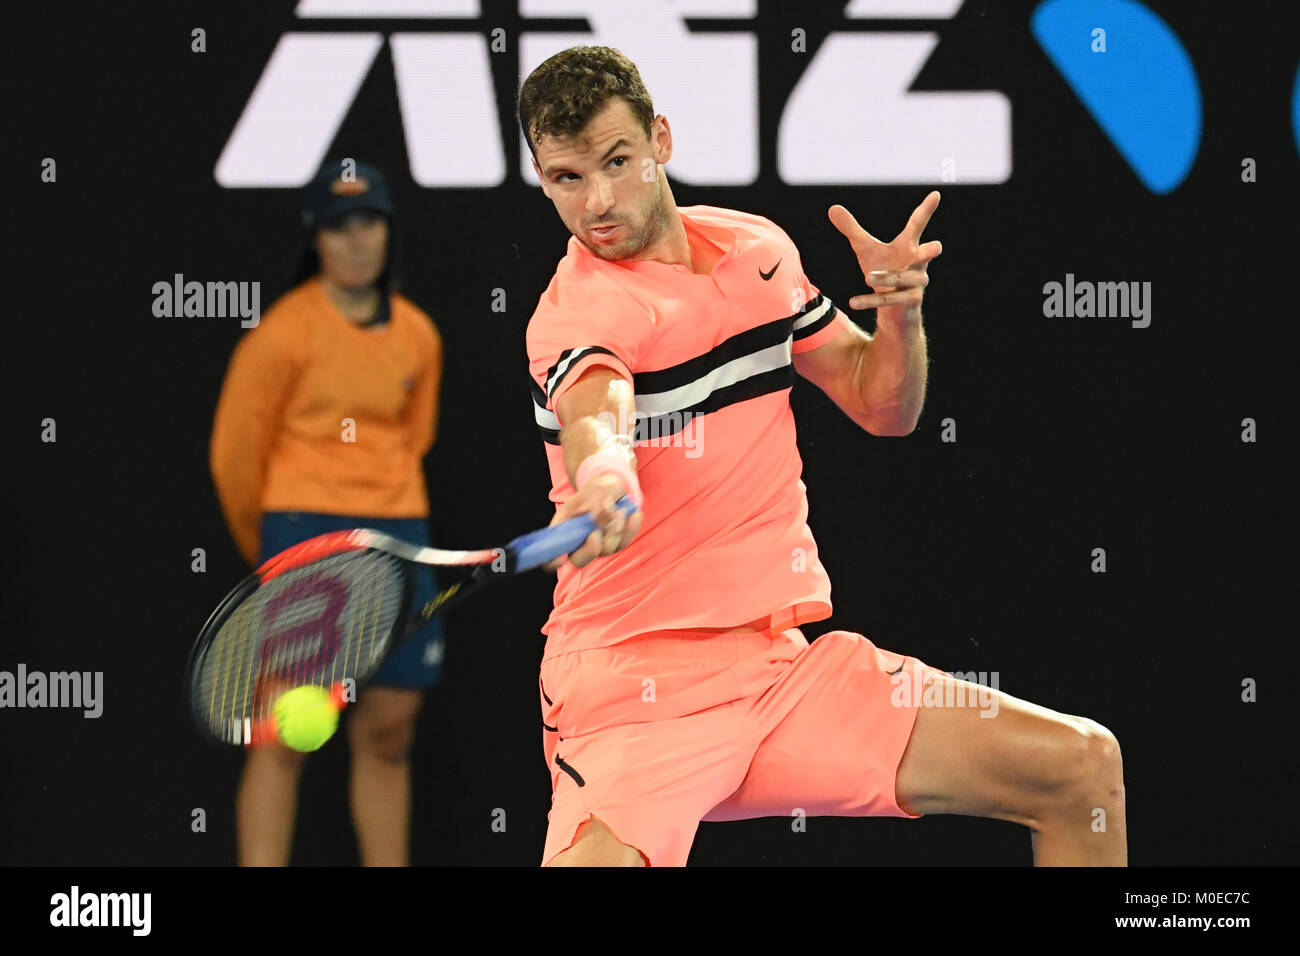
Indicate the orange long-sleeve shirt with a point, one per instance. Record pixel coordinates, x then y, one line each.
318 414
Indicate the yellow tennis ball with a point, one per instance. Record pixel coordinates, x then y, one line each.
306 717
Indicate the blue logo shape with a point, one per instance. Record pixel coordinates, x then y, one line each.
1295 110
1142 90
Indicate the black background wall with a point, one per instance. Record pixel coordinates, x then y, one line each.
1072 434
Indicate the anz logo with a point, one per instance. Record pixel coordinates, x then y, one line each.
706 82
1124 63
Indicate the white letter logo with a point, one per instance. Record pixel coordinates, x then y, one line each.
850 118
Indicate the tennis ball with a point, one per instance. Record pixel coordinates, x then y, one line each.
306 717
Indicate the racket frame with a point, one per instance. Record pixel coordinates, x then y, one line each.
484 564
290 559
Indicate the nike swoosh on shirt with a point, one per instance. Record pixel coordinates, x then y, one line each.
768 275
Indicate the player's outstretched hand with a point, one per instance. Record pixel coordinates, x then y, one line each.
597 497
896 270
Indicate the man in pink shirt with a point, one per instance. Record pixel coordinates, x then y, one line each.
675 684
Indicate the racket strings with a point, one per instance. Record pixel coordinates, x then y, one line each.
320 624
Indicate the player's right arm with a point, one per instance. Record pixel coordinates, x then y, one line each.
583 342
597 415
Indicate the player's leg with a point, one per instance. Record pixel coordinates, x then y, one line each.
381 730
850 729
266 804
1060 775
640 740
596 845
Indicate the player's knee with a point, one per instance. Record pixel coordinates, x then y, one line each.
1092 766
1103 760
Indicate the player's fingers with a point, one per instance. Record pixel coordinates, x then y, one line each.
618 539
609 539
844 221
906 297
565 511
630 529
590 550
905 279
928 251
611 542
916 223
606 516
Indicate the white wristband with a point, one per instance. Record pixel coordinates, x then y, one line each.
608 461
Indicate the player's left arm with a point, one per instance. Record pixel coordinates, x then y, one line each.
879 380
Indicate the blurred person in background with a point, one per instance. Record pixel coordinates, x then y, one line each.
328 408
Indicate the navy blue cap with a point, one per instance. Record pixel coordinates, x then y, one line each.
331 194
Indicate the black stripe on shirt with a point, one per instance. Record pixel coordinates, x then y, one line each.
684 374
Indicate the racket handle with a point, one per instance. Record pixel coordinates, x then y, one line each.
534 549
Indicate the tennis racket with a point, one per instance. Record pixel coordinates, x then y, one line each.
328 612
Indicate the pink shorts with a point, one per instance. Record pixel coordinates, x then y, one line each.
664 730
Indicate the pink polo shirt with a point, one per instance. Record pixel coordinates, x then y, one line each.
724 538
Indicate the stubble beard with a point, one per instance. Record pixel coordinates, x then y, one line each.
640 240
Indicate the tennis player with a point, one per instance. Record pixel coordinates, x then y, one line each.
328 408
676 685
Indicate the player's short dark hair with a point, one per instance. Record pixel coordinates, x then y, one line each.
561 96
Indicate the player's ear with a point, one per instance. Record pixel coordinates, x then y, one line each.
661 138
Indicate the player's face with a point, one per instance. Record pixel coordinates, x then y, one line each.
353 249
605 181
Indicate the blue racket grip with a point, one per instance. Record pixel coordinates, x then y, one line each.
534 549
